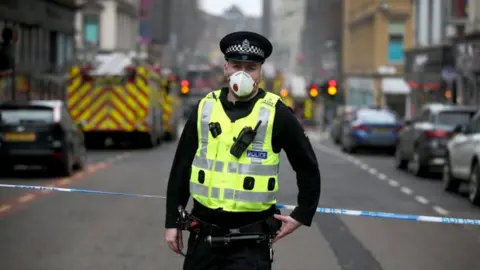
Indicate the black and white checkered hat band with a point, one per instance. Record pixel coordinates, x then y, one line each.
239 48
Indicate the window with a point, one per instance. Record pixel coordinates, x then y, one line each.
91 33
453 118
377 116
15 116
396 31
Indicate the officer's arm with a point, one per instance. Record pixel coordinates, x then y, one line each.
178 191
290 136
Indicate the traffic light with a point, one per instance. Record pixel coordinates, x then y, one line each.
332 88
313 93
185 87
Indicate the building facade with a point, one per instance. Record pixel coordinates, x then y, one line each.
107 25
430 64
375 35
466 16
44 31
287 24
322 39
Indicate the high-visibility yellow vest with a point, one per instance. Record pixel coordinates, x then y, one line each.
220 180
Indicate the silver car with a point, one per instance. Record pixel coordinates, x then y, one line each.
462 159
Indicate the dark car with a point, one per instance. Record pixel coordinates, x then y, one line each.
40 133
423 141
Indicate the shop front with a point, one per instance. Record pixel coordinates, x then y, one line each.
359 91
430 73
467 56
44 42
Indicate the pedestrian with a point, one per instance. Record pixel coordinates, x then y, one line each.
227 160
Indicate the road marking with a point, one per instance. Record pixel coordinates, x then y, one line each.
373 171
440 210
78 175
4 208
29 197
393 183
406 190
380 176
26 198
421 199
65 181
101 165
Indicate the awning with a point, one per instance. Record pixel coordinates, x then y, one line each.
395 86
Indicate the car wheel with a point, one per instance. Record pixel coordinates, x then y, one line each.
450 183
65 168
474 185
82 160
414 165
400 162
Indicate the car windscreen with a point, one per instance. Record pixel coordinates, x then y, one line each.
199 79
453 118
11 116
376 116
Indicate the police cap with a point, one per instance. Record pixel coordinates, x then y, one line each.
246 47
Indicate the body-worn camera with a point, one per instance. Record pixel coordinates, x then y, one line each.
244 139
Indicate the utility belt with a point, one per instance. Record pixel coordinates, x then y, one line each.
260 232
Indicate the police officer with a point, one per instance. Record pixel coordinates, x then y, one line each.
228 160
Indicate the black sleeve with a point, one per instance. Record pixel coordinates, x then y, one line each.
289 135
178 191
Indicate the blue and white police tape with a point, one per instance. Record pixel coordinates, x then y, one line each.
335 211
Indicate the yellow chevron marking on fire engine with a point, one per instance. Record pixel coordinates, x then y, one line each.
87 113
136 96
96 119
74 85
79 93
74 71
124 108
123 104
83 101
26 198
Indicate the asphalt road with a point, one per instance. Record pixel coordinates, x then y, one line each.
71 231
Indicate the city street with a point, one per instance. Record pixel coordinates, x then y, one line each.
49 231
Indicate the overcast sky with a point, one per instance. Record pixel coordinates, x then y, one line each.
248 7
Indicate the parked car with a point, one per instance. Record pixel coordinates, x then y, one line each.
40 133
337 127
462 160
422 144
370 128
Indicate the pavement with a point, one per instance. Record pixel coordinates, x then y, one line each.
73 231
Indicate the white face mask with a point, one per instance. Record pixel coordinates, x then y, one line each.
242 83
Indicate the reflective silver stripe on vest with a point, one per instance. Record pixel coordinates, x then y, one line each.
202 190
207 164
231 194
250 169
253 169
248 196
205 120
259 141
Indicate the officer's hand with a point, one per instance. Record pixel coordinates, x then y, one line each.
289 226
173 236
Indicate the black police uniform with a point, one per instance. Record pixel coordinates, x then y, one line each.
288 134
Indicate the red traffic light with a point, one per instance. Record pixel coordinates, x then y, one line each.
332 83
